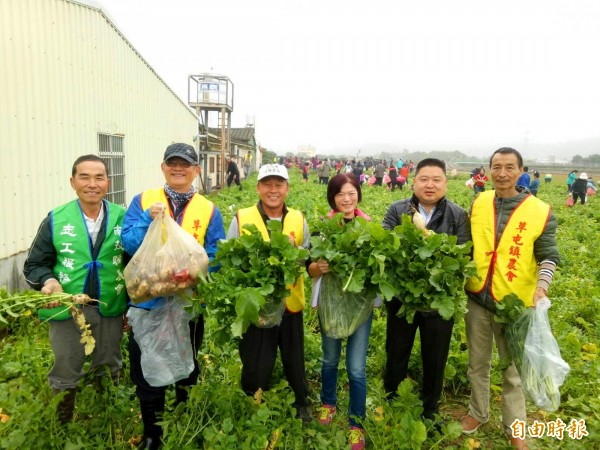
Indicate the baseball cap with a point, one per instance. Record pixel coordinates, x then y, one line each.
272 170
583 176
181 150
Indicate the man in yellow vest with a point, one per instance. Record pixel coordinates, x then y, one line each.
200 218
247 164
515 251
78 250
258 346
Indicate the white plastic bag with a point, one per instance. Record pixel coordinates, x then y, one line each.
163 335
543 371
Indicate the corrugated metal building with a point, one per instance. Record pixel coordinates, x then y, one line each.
72 84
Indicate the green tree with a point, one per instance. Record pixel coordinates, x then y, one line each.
268 157
594 159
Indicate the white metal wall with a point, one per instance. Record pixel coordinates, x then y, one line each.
66 74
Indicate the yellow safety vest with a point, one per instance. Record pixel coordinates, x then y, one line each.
293 225
510 262
195 217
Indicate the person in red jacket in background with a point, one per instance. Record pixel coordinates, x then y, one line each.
480 179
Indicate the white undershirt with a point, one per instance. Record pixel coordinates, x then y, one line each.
93 226
427 216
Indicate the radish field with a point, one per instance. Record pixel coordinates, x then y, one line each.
219 416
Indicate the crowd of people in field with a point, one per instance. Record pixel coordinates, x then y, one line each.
392 174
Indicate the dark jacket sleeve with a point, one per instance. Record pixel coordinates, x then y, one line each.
41 259
462 228
545 248
393 215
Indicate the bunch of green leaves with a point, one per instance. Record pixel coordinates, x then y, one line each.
430 272
253 274
357 252
509 309
515 317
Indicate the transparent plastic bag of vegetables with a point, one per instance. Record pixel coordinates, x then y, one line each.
271 313
342 312
167 262
543 370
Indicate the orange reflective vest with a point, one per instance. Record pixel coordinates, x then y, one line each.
293 225
509 261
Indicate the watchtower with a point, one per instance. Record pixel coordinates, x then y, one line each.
211 95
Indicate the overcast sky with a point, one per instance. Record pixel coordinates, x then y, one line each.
438 74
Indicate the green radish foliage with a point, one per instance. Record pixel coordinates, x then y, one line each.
252 276
430 272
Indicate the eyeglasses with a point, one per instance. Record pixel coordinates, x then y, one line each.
178 163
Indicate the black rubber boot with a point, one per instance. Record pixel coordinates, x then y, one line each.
65 408
151 413
148 443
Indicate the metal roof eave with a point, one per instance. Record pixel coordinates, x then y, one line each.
95 5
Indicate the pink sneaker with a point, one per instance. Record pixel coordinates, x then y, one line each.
326 413
357 438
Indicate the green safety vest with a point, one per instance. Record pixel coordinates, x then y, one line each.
74 261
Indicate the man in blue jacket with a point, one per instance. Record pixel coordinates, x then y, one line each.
200 218
524 179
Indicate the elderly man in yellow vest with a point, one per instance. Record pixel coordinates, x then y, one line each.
258 346
515 251
78 250
200 218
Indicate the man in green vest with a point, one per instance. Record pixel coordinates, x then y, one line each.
199 217
258 346
515 252
78 250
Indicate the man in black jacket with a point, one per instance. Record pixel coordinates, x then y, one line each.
233 173
441 216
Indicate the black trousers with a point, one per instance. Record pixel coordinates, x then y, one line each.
580 196
258 351
152 399
435 333
394 184
233 179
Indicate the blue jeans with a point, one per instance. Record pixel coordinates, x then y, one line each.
356 363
